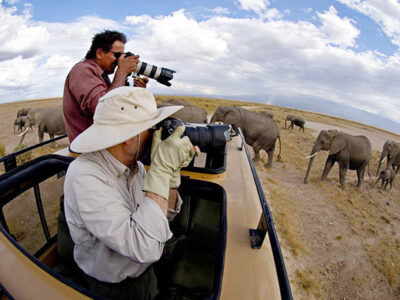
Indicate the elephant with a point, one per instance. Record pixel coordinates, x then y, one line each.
267 113
177 102
259 130
295 120
391 151
23 112
387 176
351 152
48 120
22 123
189 113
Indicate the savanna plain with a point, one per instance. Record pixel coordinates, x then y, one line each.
337 243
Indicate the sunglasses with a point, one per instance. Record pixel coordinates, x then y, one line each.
117 54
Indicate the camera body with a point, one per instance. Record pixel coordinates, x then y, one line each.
162 75
207 137
204 136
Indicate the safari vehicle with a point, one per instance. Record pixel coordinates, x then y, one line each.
229 248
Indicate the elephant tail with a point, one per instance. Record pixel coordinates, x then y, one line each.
280 149
369 174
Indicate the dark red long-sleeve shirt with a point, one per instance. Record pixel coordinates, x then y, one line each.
85 84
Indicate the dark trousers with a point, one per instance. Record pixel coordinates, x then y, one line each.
143 287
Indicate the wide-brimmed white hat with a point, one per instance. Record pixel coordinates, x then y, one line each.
121 114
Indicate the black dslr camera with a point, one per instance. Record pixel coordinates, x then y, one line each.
204 136
162 75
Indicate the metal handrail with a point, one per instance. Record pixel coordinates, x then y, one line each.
9 160
284 285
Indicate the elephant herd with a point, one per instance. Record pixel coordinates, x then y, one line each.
354 153
350 152
260 131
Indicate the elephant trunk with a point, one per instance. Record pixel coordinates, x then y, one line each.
314 151
381 158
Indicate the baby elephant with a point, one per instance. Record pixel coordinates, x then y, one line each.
387 176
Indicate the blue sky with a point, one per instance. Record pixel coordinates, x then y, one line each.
341 51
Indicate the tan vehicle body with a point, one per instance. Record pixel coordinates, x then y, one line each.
248 273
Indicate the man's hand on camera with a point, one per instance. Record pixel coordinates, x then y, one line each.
140 81
175 180
167 158
127 65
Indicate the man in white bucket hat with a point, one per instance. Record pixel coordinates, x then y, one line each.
117 214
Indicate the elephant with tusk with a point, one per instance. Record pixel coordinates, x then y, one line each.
22 123
351 152
391 152
47 120
260 131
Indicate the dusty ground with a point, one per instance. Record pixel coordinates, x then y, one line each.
337 243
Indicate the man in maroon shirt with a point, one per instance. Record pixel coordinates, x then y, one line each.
88 80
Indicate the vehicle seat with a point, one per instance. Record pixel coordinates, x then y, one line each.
195 264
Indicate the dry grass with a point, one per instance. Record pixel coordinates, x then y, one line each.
209 104
385 255
2 149
310 283
286 220
24 157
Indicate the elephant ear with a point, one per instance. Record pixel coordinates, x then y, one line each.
338 144
232 117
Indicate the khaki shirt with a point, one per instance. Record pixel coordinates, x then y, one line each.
118 232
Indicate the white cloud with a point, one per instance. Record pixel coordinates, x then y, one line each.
35 57
180 36
272 58
11 2
17 72
220 10
58 62
258 6
340 31
135 20
18 36
385 13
